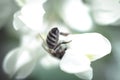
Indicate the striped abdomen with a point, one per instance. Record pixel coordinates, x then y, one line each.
52 38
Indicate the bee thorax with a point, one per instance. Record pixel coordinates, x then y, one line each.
59 52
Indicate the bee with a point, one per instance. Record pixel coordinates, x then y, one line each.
55 47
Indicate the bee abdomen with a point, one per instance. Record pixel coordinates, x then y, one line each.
52 38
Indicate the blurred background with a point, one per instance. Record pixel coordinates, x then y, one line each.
107 68
8 36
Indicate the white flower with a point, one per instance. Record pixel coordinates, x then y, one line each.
30 16
20 62
105 11
82 50
76 15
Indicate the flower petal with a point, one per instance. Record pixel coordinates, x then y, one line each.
79 17
105 11
49 61
30 17
25 70
18 63
74 63
92 45
10 61
18 24
87 75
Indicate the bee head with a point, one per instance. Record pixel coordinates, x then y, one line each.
55 30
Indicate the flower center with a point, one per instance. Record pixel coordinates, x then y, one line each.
90 56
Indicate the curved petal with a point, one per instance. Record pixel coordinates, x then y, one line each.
87 75
19 63
105 11
92 45
49 61
25 70
10 61
74 63
79 17
32 16
18 24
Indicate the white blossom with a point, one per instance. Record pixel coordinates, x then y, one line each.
81 51
20 62
30 16
76 15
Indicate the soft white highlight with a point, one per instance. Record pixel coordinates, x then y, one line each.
105 12
76 15
31 17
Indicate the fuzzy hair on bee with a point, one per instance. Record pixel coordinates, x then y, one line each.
55 47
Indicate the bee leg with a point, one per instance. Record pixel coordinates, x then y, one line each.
59 44
65 42
45 48
64 34
51 51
